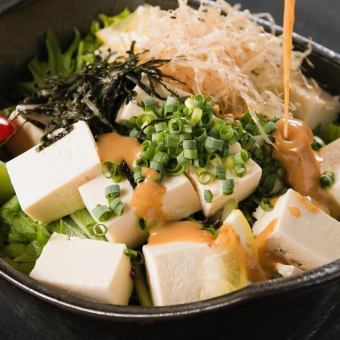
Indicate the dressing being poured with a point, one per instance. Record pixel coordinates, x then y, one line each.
288 25
296 155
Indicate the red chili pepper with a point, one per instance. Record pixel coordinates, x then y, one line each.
7 129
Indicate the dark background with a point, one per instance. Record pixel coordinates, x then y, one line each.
318 19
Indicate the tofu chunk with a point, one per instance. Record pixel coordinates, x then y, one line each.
26 136
47 182
314 106
122 229
174 271
243 187
95 270
180 199
330 155
183 271
134 108
303 235
288 270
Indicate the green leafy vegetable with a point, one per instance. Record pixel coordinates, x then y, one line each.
330 132
6 188
22 239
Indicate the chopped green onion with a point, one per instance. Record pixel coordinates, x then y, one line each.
149 130
240 170
111 170
210 229
196 116
190 154
241 158
158 166
230 162
99 230
161 157
175 126
228 186
149 104
159 127
172 141
226 132
137 176
187 128
117 206
108 168
134 132
170 106
269 127
199 101
135 256
190 103
327 179
102 213
112 191
317 143
189 144
204 177
181 159
212 144
220 172
265 204
208 196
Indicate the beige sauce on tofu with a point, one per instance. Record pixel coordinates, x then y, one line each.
116 148
295 211
189 231
267 259
148 197
296 155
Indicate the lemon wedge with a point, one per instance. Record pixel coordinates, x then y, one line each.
233 263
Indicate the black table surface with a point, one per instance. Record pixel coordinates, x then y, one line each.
314 18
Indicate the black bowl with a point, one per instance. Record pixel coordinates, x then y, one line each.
279 309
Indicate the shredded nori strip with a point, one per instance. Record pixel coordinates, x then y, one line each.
128 173
95 94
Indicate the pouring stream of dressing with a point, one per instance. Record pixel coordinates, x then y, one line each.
288 24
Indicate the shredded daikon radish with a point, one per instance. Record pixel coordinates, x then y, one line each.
218 50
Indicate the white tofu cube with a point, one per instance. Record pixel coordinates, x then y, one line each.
330 155
95 270
47 182
243 187
303 235
174 271
134 108
180 199
287 270
314 106
122 229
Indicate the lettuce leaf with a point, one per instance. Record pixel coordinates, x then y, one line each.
22 239
79 53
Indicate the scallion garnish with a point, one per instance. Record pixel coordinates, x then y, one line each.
112 191
228 186
327 179
266 204
220 172
136 257
99 230
102 213
208 196
317 143
111 170
204 177
117 206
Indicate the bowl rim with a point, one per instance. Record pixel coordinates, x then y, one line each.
64 300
